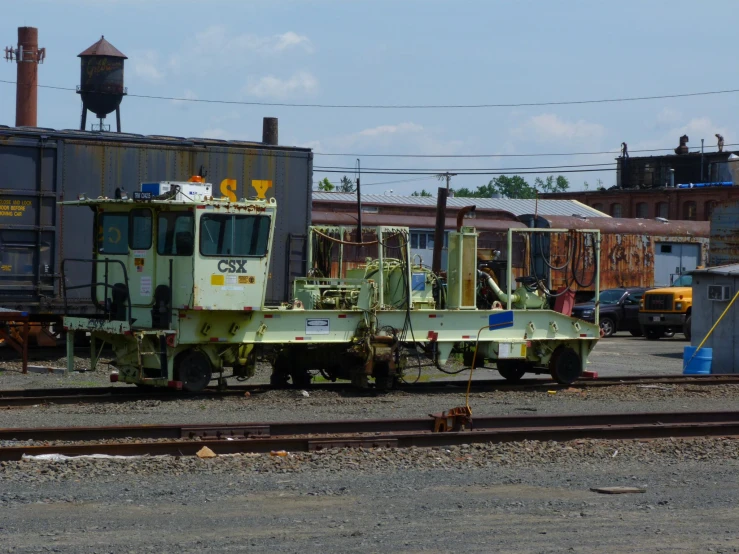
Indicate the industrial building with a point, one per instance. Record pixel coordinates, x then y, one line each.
677 186
419 213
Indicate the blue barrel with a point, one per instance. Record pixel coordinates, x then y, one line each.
700 364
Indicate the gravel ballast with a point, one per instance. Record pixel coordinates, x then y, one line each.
525 497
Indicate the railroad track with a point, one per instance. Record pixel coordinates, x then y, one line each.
185 440
84 395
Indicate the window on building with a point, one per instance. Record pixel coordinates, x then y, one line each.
616 210
642 210
598 206
689 211
710 205
662 210
423 240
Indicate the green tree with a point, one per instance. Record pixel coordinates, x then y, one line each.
560 184
325 185
347 185
422 192
464 192
512 187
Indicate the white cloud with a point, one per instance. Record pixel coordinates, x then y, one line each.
274 87
184 104
551 127
146 66
278 43
667 117
217 47
696 128
391 129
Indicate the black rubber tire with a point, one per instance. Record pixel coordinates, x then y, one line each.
194 370
608 326
686 328
565 366
636 333
654 333
511 370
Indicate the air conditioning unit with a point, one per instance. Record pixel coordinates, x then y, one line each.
719 292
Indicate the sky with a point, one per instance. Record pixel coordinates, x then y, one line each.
403 52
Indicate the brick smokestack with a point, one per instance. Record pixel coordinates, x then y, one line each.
27 56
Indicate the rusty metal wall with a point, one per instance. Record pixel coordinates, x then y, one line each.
724 247
627 249
42 166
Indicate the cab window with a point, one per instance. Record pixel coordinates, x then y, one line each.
230 235
140 229
113 233
175 234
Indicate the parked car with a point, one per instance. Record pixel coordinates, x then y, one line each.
619 310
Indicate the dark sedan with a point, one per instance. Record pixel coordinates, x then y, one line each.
619 310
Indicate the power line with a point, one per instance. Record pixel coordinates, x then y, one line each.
388 182
414 106
462 172
541 155
605 166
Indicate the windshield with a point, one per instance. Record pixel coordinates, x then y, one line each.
611 296
683 281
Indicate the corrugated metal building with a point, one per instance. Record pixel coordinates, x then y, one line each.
725 234
492 216
713 289
39 167
634 252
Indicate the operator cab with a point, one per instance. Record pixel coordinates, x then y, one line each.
172 246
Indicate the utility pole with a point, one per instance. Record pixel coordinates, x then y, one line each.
447 176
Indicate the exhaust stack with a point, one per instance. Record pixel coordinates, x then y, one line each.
27 56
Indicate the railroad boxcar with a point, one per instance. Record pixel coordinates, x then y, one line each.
40 167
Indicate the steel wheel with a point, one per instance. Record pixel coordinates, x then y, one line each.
511 370
608 326
565 365
195 371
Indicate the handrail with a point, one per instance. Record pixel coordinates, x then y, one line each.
94 285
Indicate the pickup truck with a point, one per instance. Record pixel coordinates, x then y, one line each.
619 310
668 309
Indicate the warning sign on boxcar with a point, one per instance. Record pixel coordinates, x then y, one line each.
14 207
316 326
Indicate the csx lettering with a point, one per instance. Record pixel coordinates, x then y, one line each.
232 266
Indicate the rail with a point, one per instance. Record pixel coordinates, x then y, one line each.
230 438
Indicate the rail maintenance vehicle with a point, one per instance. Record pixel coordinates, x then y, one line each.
179 280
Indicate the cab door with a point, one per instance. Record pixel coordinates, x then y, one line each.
175 250
125 263
232 264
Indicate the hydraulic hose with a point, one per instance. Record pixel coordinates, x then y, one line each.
502 296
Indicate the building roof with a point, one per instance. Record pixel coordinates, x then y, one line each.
515 206
729 269
103 48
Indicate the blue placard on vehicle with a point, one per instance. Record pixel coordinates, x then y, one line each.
500 320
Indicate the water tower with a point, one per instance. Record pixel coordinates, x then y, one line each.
101 82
